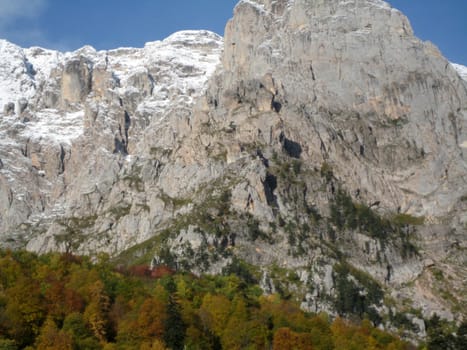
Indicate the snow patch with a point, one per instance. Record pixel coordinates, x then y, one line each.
16 79
43 61
260 7
51 125
461 70
178 67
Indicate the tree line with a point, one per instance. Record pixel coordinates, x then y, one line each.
62 301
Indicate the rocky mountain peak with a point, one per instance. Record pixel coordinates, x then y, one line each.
357 58
62 108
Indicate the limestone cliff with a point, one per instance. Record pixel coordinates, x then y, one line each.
323 140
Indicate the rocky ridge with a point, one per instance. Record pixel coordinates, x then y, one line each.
322 139
72 121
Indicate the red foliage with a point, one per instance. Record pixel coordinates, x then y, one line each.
139 271
161 271
145 271
61 301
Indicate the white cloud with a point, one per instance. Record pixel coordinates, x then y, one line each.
11 10
17 31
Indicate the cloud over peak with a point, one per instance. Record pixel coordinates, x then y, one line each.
12 10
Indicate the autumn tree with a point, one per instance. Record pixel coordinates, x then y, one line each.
65 302
51 338
284 338
150 322
214 312
96 312
157 344
25 311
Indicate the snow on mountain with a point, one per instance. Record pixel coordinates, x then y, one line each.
259 7
43 61
462 70
56 126
15 74
178 67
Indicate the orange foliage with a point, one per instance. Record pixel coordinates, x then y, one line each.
151 316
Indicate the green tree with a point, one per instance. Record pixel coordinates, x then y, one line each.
82 337
461 339
321 334
7 344
174 327
438 337
235 332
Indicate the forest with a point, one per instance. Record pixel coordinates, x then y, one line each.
63 301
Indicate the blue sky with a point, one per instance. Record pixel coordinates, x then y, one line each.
106 24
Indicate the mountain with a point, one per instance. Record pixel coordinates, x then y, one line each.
318 149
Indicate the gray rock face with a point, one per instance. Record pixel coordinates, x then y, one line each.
347 85
76 80
394 105
85 134
318 132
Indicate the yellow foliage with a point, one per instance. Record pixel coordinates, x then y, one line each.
51 338
214 312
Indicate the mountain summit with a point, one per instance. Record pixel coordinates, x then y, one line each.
320 149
